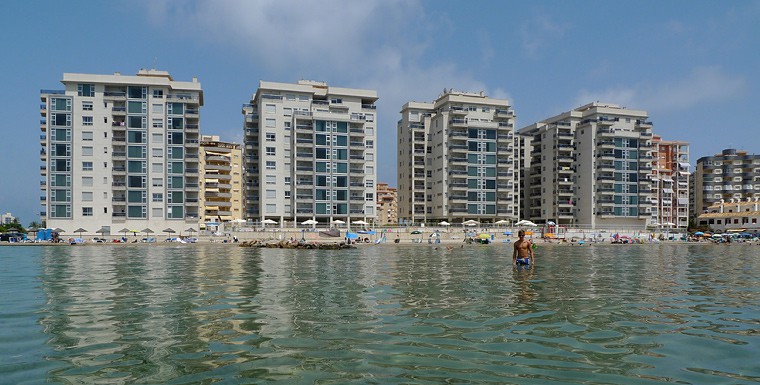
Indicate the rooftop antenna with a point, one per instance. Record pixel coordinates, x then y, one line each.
155 61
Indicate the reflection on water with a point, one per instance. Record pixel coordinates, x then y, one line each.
385 314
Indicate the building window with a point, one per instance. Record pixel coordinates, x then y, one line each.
271 151
158 152
288 179
270 109
271 165
158 94
287 194
87 151
86 181
87 120
271 123
86 106
157 182
86 166
86 211
271 194
86 90
370 144
158 197
158 123
271 137
87 136
271 208
271 179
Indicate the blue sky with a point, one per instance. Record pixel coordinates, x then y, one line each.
693 65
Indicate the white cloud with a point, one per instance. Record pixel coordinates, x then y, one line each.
362 44
537 32
701 86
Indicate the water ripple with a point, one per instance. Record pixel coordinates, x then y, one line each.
384 315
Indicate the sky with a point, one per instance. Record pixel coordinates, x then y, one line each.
693 65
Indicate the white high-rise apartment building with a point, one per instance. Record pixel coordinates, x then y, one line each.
458 160
120 152
310 153
591 166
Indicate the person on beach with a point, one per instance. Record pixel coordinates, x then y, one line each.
523 249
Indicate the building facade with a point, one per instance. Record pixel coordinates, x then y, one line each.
221 170
310 153
6 219
729 175
591 166
458 160
670 183
120 152
734 215
387 204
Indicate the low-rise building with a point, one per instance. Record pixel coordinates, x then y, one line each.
733 216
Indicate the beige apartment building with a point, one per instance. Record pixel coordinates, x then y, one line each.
120 152
221 170
591 166
310 154
458 160
670 184
387 204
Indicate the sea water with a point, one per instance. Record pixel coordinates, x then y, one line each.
388 314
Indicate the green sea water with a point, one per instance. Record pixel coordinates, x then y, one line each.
395 314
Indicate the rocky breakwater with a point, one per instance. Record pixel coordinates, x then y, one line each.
296 245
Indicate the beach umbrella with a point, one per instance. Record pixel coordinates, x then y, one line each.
484 236
59 230
444 223
147 231
125 231
699 233
551 223
103 230
338 222
359 223
471 222
169 230
352 235
80 231
507 232
501 222
309 222
525 222
269 222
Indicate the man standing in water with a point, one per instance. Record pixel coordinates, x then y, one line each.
523 250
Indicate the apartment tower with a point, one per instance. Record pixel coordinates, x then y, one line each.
458 160
310 153
387 204
730 175
670 184
120 152
221 170
591 166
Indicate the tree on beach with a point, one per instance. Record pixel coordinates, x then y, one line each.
13 226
